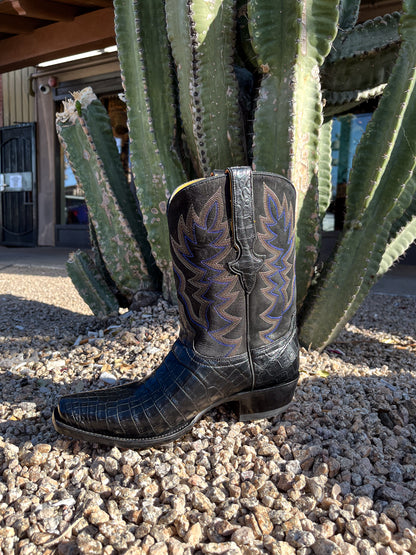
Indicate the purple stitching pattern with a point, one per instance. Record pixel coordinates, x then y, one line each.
203 245
277 224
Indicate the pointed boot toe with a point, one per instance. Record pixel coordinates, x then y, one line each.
232 239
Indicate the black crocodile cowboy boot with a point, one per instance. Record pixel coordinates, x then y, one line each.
232 244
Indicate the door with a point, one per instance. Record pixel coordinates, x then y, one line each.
18 185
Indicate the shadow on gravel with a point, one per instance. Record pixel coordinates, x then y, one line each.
22 318
398 353
399 319
47 271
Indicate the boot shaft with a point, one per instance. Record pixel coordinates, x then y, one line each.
233 252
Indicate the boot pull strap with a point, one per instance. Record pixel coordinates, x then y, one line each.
247 263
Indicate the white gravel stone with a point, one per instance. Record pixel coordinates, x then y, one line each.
336 474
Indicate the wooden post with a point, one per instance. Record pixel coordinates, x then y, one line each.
47 172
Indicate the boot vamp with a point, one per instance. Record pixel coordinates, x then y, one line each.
277 362
184 386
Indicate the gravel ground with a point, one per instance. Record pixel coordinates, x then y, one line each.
335 475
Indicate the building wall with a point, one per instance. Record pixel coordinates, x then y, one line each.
18 101
48 165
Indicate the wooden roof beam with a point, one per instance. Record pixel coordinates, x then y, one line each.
86 32
45 9
13 24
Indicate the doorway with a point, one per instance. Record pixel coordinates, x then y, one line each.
18 185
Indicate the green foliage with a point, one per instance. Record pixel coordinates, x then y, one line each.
192 110
381 188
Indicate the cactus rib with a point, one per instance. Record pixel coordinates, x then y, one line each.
363 72
374 34
324 168
91 285
337 102
144 59
202 36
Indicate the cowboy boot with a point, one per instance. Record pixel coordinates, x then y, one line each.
233 252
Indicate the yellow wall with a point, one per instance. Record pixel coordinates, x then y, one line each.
18 103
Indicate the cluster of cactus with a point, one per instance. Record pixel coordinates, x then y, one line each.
212 84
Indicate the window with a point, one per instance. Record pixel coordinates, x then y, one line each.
346 134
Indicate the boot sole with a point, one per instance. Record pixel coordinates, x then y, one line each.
250 405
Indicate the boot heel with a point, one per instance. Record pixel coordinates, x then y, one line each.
265 403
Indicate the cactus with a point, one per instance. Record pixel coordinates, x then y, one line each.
91 285
145 63
188 115
202 37
85 133
381 188
402 235
324 168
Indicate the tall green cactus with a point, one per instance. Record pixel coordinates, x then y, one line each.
202 36
309 59
145 64
381 188
85 132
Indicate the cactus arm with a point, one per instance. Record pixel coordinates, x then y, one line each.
178 29
98 127
202 36
291 40
348 13
398 246
404 218
307 241
372 35
157 59
358 256
276 58
154 164
361 72
360 62
91 285
324 167
98 261
118 245
402 235
365 176
357 264
343 102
